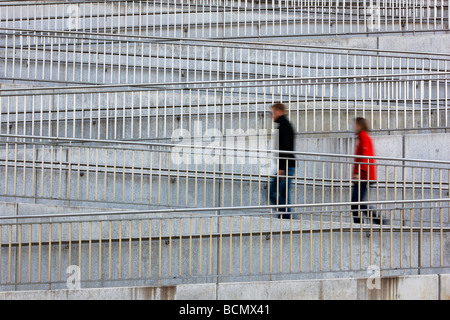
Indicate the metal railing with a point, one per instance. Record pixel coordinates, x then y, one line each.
74 58
231 19
167 247
147 175
156 111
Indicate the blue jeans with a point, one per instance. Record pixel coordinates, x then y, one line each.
281 196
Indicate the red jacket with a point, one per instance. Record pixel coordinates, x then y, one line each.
365 147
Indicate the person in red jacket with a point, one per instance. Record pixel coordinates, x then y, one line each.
364 171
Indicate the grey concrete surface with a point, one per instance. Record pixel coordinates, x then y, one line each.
423 287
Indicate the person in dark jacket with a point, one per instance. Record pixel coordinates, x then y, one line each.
364 172
280 186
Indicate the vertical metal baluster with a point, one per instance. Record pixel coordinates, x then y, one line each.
13 69
19 258
159 176
314 182
1 253
6 165
120 249
301 242
181 245
39 253
441 232
141 190
6 56
9 251
421 238
304 182
231 244
402 213
446 87
15 167
271 241
88 153
351 219
190 246
321 239
129 249
251 244
109 252
260 244
200 247
90 250
99 250
132 175
431 234
391 238
114 174
140 250
149 248
210 245
79 244
311 242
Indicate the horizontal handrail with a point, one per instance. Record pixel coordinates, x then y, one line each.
218 210
171 85
212 147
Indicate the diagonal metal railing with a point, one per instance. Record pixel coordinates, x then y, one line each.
163 247
85 58
158 110
230 173
231 19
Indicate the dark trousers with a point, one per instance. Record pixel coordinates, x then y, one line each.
359 194
282 194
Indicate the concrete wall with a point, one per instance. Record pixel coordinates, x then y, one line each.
425 287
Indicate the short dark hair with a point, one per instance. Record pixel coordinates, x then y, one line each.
279 106
362 122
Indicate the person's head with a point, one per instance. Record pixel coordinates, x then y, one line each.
361 125
278 109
